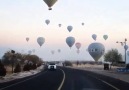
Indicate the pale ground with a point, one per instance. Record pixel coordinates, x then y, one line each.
124 76
14 76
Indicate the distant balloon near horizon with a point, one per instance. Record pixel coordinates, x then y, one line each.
96 50
40 41
27 39
105 37
59 50
29 52
47 21
59 25
70 41
50 3
78 45
83 24
94 36
69 28
52 51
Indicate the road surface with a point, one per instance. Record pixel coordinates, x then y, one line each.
65 79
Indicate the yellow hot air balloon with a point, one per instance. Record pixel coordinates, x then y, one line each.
50 3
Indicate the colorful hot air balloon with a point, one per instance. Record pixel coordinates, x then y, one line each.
50 3
105 37
78 45
96 50
69 28
27 39
94 36
40 41
70 41
47 21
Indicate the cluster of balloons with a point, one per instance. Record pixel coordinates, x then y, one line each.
94 36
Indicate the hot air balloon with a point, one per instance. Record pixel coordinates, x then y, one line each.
69 28
59 50
52 51
27 39
50 3
59 25
94 36
105 37
126 47
40 41
47 21
29 52
70 41
78 45
82 24
96 50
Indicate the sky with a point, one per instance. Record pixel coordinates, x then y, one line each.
26 18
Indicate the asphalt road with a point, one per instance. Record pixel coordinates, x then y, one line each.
66 79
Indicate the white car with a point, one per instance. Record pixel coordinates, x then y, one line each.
52 66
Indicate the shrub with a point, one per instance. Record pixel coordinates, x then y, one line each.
17 68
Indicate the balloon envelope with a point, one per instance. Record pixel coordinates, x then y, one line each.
50 3
78 45
29 52
69 28
94 36
59 25
105 37
70 41
59 50
126 47
27 39
47 21
40 40
52 51
82 24
96 50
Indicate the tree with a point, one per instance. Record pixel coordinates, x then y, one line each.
2 69
113 56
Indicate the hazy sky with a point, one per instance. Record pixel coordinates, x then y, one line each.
26 18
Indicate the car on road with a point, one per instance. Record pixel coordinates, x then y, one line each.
52 66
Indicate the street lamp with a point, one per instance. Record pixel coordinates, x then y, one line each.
125 47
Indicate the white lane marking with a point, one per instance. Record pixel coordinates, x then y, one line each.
106 83
20 82
110 85
59 88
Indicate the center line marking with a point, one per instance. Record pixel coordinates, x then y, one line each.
59 88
